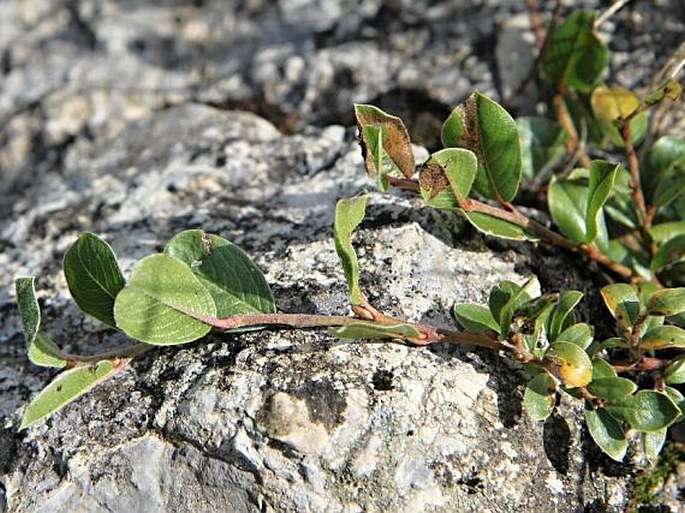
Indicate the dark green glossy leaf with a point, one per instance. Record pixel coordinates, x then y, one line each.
93 276
29 310
556 323
236 284
667 302
447 171
606 432
373 330
574 54
602 175
348 214
668 253
498 227
652 443
164 302
475 318
612 388
623 303
385 144
647 410
542 144
602 369
66 387
484 127
568 200
575 366
664 162
663 336
675 372
580 334
538 399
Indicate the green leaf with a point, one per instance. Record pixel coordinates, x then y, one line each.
662 168
670 252
542 144
647 410
93 276
664 232
574 54
556 323
606 432
29 310
386 147
348 214
674 374
580 334
164 302
612 104
652 443
670 88
602 176
44 352
567 199
538 399
41 350
663 336
575 366
484 127
623 303
677 398
235 283
66 387
667 302
447 171
496 227
611 388
364 329
475 318
517 298
602 369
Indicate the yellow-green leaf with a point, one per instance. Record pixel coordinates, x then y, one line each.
348 214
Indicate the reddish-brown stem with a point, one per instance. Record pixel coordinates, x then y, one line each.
634 169
126 353
404 183
645 363
573 143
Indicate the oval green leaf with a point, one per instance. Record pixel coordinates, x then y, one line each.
29 310
647 410
580 334
234 281
93 276
557 321
66 387
668 253
574 55
538 399
45 353
667 302
612 388
606 432
475 318
663 336
373 330
348 214
484 127
163 303
602 369
496 227
574 364
664 159
567 200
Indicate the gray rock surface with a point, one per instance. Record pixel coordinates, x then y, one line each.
128 119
